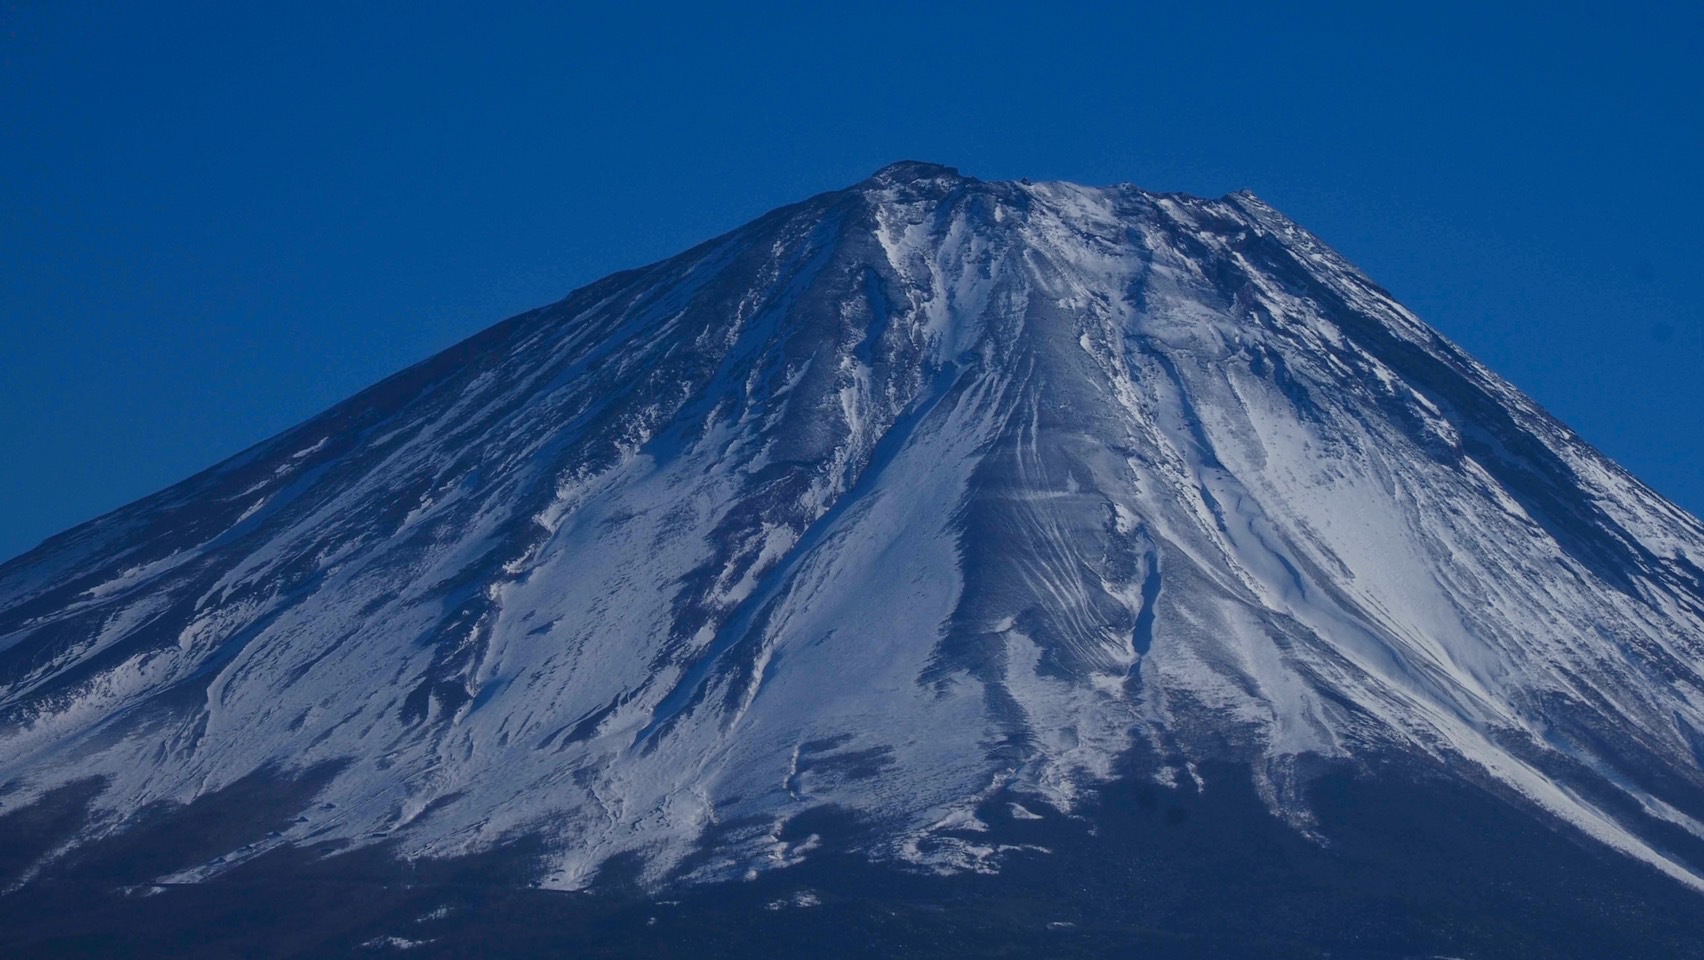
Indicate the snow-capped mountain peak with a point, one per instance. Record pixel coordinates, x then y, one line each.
912 495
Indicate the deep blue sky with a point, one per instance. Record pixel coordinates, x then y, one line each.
217 219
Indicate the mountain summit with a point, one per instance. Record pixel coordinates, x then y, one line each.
880 527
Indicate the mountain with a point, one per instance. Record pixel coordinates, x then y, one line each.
929 538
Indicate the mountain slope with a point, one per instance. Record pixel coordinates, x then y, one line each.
914 497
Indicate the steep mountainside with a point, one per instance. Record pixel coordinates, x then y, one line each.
912 501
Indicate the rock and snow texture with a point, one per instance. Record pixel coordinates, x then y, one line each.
907 497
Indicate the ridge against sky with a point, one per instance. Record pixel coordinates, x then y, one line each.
219 220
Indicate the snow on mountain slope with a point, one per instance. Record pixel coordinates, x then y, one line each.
891 500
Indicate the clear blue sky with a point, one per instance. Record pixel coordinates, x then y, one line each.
217 219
